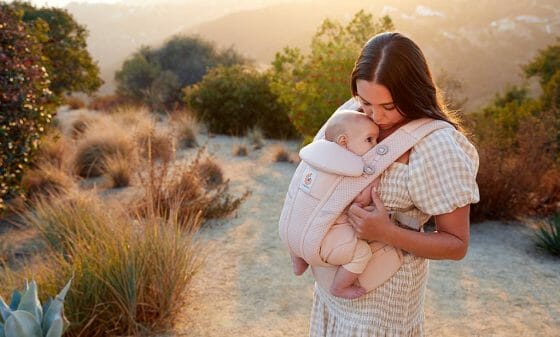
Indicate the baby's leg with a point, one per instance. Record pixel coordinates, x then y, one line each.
298 265
345 284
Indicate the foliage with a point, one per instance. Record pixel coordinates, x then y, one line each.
314 85
67 60
155 76
548 238
131 274
25 317
25 100
235 99
518 141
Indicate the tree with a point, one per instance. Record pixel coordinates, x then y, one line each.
314 85
156 76
235 99
25 100
69 64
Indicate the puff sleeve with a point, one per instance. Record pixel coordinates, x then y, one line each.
442 172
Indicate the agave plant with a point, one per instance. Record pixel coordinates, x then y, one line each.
25 317
549 238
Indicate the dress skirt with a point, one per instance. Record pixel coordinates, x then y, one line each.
395 309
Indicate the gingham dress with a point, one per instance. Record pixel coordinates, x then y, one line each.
440 177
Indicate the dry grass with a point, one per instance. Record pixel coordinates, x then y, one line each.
120 170
186 127
156 143
105 141
256 138
240 151
107 103
74 103
46 180
81 123
53 149
131 274
281 155
178 191
210 173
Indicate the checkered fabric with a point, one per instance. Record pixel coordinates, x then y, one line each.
440 177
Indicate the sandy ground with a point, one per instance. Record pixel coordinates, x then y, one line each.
504 287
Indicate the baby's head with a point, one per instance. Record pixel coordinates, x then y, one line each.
352 130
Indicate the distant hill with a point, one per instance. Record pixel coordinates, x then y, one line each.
481 43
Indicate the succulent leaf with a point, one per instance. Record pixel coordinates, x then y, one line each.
16 298
30 302
56 329
55 308
4 310
2 330
22 324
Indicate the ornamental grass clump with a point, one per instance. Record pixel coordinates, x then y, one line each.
131 274
548 236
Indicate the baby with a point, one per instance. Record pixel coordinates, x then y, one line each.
358 134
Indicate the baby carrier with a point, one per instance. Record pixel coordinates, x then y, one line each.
314 201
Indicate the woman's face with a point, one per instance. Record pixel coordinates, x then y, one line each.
377 103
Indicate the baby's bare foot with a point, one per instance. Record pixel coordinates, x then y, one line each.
350 292
299 265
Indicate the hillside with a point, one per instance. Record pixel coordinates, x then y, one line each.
480 43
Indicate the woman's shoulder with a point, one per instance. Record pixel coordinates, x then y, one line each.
445 143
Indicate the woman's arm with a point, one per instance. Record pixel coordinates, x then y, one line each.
450 241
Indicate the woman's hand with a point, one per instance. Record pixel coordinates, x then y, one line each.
372 225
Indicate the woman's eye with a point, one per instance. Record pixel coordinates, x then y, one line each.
389 107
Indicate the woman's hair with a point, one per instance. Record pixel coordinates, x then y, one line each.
396 62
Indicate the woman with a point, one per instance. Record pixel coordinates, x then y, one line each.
393 85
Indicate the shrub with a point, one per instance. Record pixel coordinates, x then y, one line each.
131 275
179 192
548 238
232 100
155 76
25 100
209 173
509 175
313 86
155 143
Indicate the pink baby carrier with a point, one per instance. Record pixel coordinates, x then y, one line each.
314 201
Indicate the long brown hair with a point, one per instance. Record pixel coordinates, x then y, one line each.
396 62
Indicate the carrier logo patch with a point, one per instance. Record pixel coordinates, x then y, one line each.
308 180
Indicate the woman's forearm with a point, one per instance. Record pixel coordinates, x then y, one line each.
431 245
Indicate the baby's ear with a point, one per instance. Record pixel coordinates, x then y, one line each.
342 140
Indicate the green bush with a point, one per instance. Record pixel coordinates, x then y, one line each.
518 143
25 100
234 99
155 76
548 238
314 85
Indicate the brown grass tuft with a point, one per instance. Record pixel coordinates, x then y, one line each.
240 151
186 127
280 154
119 169
256 138
210 173
100 144
107 103
74 103
46 180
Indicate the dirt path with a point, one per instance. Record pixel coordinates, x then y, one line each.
504 287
